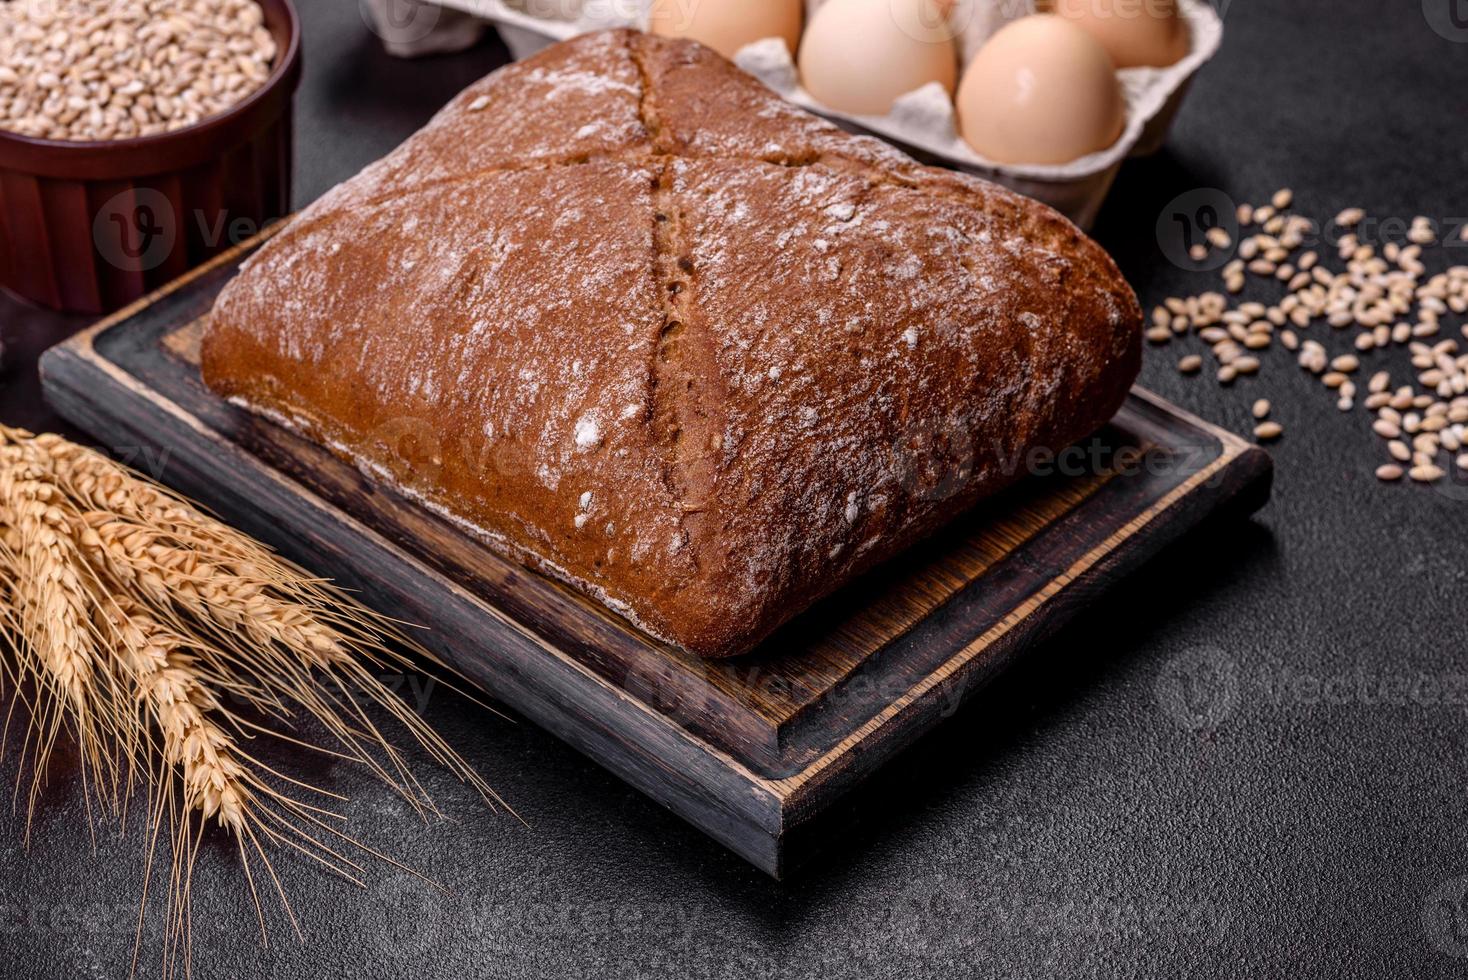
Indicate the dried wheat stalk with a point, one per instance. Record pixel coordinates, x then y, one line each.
132 614
51 632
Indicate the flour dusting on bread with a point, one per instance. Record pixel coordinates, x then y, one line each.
638 321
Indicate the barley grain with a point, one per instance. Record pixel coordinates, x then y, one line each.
1383 297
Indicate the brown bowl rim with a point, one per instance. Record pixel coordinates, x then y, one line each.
286 70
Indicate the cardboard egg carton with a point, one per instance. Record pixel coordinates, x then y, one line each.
923 122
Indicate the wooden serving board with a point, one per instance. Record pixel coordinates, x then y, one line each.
750 750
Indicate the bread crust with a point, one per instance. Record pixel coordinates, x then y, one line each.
641 323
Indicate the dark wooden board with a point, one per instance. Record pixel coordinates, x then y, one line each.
750 749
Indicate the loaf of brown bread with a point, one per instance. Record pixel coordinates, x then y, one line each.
642 324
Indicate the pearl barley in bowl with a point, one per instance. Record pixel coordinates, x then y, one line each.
105 70
1040 91
138 139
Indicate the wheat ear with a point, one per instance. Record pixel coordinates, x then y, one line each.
99 483
216 783
134 613
286 640
167 680
200 738
57 641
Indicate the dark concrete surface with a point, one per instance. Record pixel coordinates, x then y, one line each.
1247 761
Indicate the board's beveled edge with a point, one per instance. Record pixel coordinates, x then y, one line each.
1236 454
1155 421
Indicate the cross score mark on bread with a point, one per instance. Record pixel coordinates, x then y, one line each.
644 325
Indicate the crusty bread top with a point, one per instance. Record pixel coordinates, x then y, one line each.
675 339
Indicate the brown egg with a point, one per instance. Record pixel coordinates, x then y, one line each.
728 25
858 56
1041 90
1135 33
